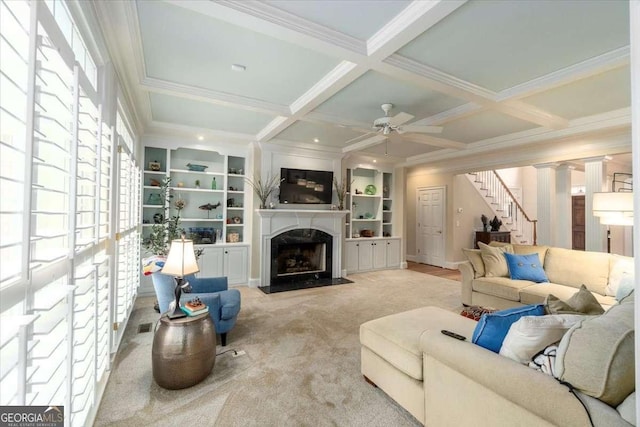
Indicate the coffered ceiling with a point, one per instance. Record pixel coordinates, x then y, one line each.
494 75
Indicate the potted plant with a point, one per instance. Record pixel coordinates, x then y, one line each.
263 189
341 191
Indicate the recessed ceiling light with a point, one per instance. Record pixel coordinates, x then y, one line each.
238 67
200 137
316 140
375 161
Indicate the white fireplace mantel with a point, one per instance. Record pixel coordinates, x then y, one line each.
276 221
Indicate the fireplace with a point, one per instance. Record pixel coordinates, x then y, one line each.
301 254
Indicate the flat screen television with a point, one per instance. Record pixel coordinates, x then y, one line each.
301 186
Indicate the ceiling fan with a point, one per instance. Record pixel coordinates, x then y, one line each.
385 126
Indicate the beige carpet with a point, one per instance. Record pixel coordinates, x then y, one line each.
302 362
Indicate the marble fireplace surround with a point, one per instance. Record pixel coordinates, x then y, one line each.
276 221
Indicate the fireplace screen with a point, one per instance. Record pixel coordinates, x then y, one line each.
302 258
300 255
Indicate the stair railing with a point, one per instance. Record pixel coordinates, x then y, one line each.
513 215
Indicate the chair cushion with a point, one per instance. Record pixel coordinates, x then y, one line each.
575 268
230 302
396 338
537 293
605 371
502 287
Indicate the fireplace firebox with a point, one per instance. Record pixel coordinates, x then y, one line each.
300 255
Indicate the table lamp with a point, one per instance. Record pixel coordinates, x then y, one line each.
180 262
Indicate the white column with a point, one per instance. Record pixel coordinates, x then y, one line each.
546 174
563 206
595 179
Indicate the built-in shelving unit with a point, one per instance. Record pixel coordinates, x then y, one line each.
369 202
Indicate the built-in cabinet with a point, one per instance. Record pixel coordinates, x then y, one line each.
365 254
211 186
370 203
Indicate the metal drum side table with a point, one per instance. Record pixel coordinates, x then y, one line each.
184 351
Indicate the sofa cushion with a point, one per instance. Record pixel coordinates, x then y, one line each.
502 287
525 267
582 302
396 338
537 293
627 409
475 258
596 356
575 268
495 265
622 268
493 327
530 249
531 334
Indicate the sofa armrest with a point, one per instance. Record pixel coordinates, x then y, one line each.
468 274
537 393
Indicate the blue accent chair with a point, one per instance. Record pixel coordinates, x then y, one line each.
223 303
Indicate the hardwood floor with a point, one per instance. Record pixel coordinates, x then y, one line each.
435 271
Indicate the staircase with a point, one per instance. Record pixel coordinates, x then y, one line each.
505 206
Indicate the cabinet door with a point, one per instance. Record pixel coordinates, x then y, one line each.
210 263
365 256
235 264
393 253
379 254
352 256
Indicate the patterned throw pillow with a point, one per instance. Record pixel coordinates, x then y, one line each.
475 312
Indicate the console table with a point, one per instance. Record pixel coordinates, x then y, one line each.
492 236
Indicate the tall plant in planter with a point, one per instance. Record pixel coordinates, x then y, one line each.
341 191
264 189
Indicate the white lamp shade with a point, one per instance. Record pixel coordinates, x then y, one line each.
613 208
181 259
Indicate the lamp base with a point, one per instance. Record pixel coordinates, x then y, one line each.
177 314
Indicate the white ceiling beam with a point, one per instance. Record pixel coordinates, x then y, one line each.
156 125
450 115
211 96
374 140
414 20
323 118
606 62
274 127
273 22
435 141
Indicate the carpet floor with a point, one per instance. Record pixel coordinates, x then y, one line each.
302 361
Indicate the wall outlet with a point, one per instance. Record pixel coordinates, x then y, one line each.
239 353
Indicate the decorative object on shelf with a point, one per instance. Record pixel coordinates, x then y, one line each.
181 184
233 237
158 241
358 192
181 261
209 207
485 222
495 224
158 218
240 171
370 190
202 235
154 166
341 191
366 233
214 185
385 208
263 189
356 235
180 203
236 220
155 199
334 207
230 202
232 188
197 183
385 192
145 221
272 205
386 234
196 168
154 182
368 215
233 171
361 217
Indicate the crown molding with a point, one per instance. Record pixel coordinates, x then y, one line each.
593 66
211 96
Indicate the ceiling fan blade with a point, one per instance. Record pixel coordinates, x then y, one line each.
400 118
419 129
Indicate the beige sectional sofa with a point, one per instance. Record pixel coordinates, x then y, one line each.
566 270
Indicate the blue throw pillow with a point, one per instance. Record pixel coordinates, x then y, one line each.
525 267
493 327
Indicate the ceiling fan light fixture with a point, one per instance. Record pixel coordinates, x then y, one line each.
238 67
386 130
316 140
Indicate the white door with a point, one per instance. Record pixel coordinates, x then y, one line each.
431 210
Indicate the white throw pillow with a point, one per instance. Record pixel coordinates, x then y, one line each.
531 334
622 268
627 409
